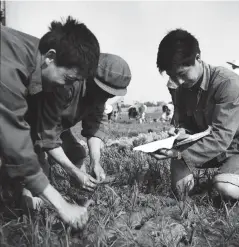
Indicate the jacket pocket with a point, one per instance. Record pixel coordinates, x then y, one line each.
202 118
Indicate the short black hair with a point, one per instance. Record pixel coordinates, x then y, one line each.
75 45
177 48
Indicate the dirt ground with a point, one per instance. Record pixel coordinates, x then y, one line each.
136 206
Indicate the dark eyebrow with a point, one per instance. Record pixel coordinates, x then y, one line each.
71 78
183 71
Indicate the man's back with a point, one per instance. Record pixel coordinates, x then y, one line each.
18 55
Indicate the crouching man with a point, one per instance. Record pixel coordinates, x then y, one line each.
168 111
205 96
52 116
69 52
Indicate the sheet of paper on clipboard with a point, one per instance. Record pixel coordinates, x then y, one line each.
156 145
169 142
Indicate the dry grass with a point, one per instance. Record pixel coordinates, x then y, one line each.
137 209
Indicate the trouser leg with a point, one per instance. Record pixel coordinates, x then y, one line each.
73 149
227 181
182 180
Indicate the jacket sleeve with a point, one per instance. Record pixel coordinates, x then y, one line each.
15 141
95 122
50 106
225 122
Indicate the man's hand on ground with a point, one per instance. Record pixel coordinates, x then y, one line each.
72 214
99 173
85 180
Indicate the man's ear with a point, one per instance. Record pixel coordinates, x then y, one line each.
50 56
198 58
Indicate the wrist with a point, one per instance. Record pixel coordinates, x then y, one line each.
94 163
53 197
70 168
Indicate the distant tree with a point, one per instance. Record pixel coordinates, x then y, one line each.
160 103
149 104
125 106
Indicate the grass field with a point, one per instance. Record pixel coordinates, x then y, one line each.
137 208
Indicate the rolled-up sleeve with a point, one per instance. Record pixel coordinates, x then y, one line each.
95 122
15 140
50 106
225 123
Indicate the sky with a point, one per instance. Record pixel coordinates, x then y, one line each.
134 29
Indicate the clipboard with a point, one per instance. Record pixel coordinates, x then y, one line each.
168 143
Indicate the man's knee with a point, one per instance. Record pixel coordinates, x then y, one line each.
227 185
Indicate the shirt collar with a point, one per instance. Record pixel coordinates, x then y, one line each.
35 85
171 84
206 76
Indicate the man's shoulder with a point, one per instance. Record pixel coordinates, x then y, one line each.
223 80
223 74
18 35
20 44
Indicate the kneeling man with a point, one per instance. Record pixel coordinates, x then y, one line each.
205 96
